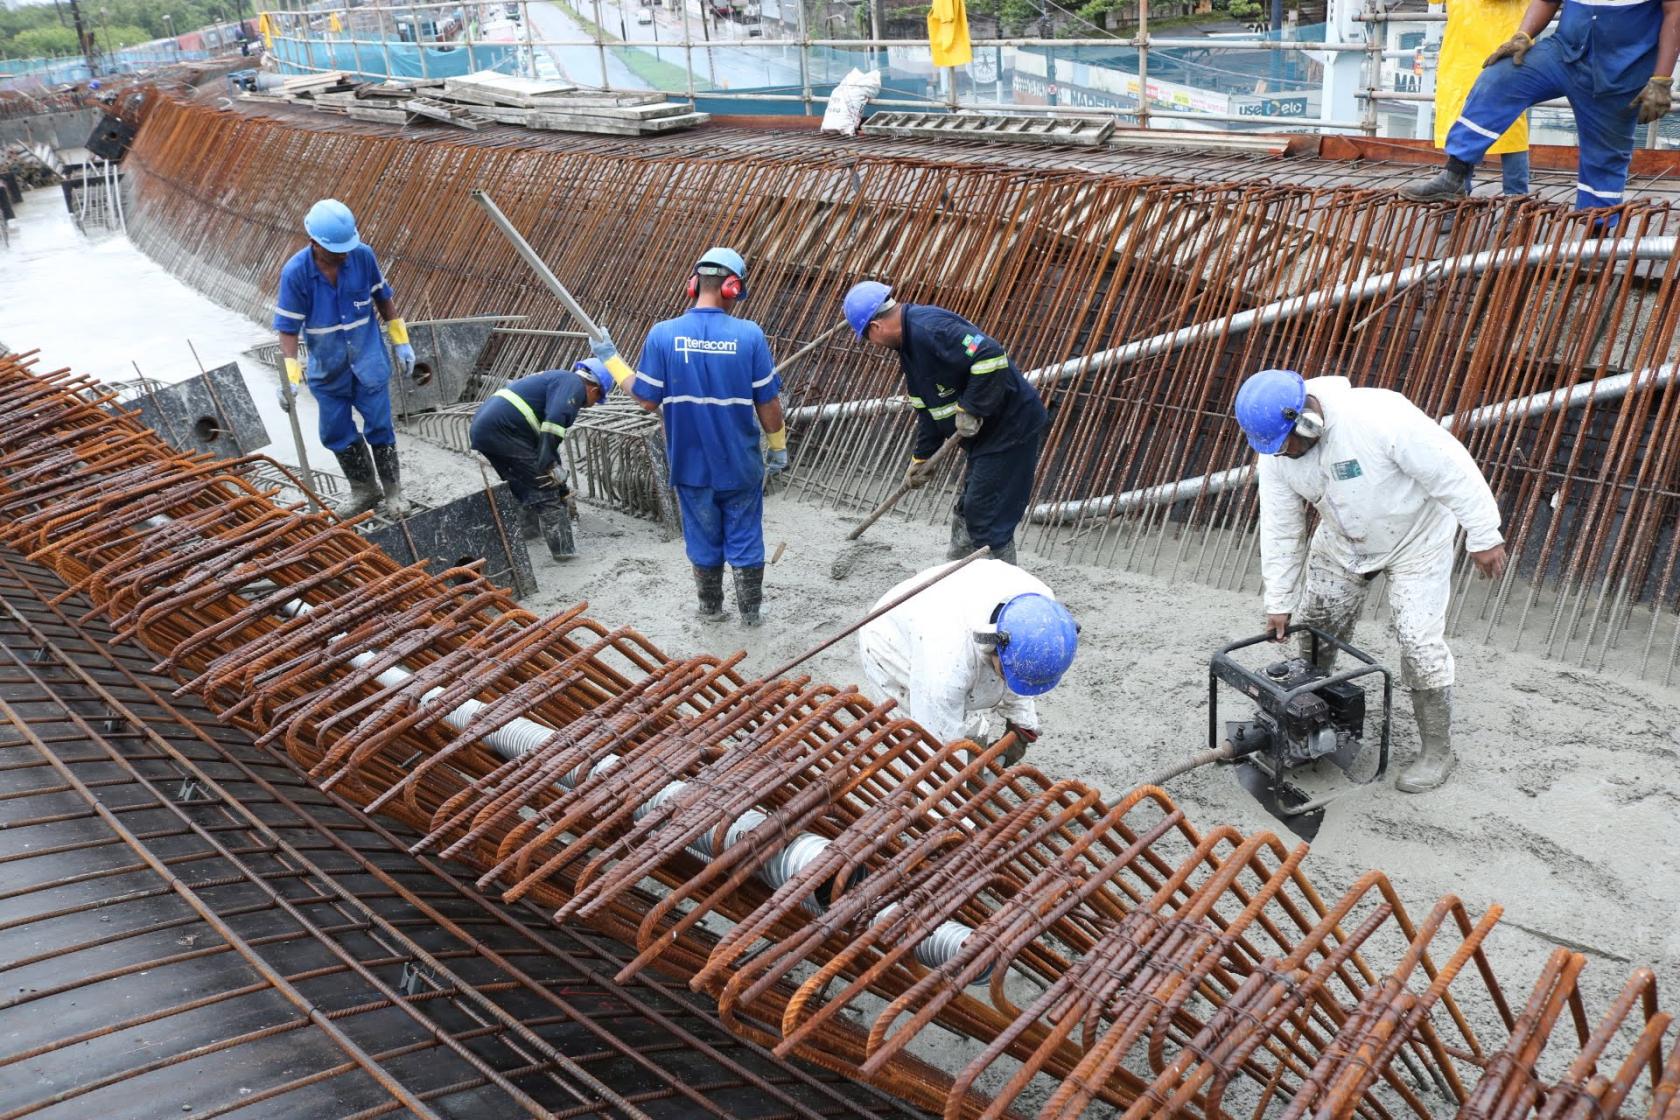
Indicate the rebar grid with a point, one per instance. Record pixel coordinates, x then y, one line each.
1140 965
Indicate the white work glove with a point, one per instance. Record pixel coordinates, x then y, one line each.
968 425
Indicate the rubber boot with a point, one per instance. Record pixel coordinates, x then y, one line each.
709 582
1450 183
1435 761
357 465
529 527
749 594
1006 553
961 543
556 525
390 477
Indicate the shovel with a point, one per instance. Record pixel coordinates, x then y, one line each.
850 555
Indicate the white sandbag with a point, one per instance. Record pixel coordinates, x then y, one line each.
846 103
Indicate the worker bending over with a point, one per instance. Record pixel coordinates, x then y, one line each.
519 430
1613 60
711 378
1391 487
961 382
965 657
330 291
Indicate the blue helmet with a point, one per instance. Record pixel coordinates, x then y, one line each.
1036 641
1268 404
594 369
330 225
863 302
720 256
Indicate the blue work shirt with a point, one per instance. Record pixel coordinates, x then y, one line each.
948 361
1617 42
339 322
552 400
706 370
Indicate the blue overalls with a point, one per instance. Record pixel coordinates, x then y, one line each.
348 367
707 370
948 361
519 429
1600 57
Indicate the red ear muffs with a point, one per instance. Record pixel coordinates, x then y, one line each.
731 287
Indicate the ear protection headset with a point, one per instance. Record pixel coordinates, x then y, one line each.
1307 422
731 282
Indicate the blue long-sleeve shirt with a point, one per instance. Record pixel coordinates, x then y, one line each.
947 362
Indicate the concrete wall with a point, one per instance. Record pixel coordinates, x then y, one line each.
61 130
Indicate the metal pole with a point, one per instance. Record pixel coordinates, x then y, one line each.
1143 64
688 50
804 59
419 47
542 270
601 47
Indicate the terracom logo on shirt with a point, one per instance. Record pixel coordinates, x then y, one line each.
685 346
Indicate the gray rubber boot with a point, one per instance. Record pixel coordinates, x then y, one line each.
709 582
749 594
1435 760
556 527
357 465
1446 186
1006 553
961 543
390 477
529 527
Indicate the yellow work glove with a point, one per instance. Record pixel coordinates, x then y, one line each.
1513 48
294 371
398 330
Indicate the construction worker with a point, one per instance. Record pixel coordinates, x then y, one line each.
1613 60
1474 28
710 376
330 291
965 657
519 430
1391 487
961 382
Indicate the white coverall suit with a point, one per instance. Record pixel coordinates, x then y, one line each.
1389 484
924 655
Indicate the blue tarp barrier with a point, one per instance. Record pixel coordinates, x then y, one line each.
368 60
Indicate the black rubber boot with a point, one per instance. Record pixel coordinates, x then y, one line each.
1006 553
961 543
357 465
709 582
749 594
390 477
529 527
556 525
1451 182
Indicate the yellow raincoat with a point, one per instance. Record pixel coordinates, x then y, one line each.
1474 29
948 33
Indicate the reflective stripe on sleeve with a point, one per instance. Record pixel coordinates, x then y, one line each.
518 402
990 365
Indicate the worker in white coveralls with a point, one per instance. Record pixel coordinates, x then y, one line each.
966 657
1391 487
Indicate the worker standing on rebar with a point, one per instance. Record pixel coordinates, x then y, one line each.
1474 29
520 429
966 657
1391 487
330 291
961 382
1614 61
711 378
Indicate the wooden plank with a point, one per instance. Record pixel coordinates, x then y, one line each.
379 114
568 122
488 87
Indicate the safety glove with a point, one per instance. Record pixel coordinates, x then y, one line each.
1655 100
294 374
1514 48
606 350
916 478
968 425
775 461
404 353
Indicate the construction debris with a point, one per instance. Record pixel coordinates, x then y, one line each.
834 878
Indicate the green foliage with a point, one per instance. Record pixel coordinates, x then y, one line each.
1245 9
40 42
1016 14
39 29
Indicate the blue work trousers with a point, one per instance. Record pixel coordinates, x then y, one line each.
720 525
1604 122
1513 174
995 492
339 392
504 437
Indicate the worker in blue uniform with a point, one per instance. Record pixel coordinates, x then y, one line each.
710 376
1614 61
520 428
333 292
961 382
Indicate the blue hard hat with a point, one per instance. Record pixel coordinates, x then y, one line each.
1268 404
863 302
596 370
94 84
721 256
330 225
1036 641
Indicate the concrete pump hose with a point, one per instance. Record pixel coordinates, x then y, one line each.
1218 754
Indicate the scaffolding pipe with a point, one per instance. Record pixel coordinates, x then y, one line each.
1241 322
1552 400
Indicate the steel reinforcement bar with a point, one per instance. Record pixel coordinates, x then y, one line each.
1062 265
846 888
